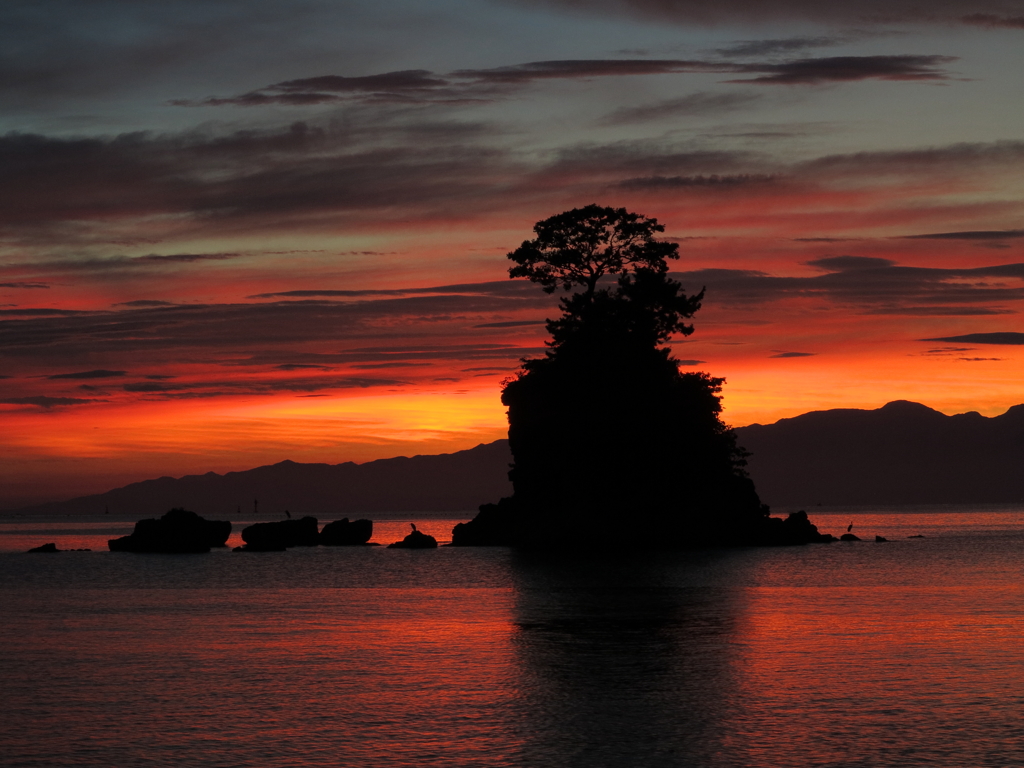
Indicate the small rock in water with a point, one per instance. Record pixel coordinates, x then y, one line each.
51 547
278 536
415 540
179 531
849 537
880 538
343 533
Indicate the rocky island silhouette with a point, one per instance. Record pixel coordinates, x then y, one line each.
612 444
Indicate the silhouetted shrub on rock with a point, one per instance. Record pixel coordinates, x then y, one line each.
415 540
343 533
281 534
613 445
178 531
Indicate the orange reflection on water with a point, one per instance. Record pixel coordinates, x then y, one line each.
885 665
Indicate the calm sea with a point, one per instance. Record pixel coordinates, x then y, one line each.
906 653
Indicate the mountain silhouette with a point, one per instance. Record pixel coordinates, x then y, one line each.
442 483
902 453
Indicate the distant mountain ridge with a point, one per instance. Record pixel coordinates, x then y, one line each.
450 482
902 453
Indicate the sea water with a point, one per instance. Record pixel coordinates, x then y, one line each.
904 653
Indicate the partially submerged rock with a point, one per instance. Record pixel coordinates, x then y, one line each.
849 537
880 539
492 527
794 529
278 536
415 540
179 531
346 533
51 547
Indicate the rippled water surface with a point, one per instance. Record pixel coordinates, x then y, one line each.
906 653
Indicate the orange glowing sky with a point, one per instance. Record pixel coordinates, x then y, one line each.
235 254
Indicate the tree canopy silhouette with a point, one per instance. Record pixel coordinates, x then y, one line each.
579 247
612 444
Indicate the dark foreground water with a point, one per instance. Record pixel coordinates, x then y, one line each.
909 653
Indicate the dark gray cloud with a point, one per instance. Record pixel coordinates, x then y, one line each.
99 373
24 285
823 239
254 386
145 303
992 20
186 257
327 88
792 354
389 81
963 158
773 46
692 105
511 324
479 84
263 177
807 71
873 286
941 311
114 264
41 311
493 288
689 363
848 263
414 328
990 234
849 68
866 12
44 401
714 180
1011 338
561 69
326 177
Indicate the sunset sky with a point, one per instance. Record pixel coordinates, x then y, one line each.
244 231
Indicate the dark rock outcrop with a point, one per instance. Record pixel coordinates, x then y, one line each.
795 529
849 537
880 539
279 535
662 471
415 540
492 527
179 531
345 533
46 548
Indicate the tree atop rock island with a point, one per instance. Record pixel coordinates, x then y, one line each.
612 444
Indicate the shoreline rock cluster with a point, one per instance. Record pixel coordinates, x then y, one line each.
181 531
51 547
280 535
